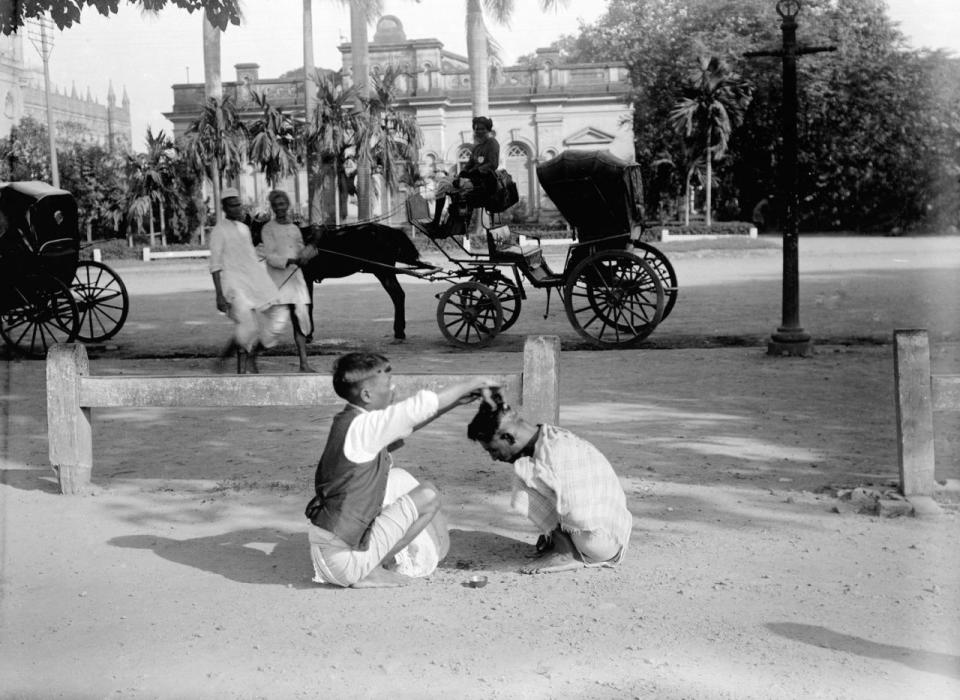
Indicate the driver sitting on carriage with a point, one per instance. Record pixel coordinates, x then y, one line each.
473 186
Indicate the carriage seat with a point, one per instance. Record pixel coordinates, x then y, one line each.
419 216
505 246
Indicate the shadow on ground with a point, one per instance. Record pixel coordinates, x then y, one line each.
257 556
928 661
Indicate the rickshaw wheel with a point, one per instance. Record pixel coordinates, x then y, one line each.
508 294
655 258
469 315
102 300
614 299
40 312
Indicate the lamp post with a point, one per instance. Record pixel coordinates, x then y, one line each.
790 338
43 43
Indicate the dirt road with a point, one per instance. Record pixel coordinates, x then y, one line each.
185 573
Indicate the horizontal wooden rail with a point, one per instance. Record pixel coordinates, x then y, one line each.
246 390
945 394
918 394
72 394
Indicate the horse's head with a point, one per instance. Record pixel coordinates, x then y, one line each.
312 233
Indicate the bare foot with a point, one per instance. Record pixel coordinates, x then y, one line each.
382 578
557 554
552 563
307 369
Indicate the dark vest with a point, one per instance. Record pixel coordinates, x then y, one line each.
349 495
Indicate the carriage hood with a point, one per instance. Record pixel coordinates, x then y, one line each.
597 193
43 214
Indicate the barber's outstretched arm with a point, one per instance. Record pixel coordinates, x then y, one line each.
460 393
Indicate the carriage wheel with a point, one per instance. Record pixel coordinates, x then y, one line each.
614 299
469 315
655 258
508 294
39 313
102 300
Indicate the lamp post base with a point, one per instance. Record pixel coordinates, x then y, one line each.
792 342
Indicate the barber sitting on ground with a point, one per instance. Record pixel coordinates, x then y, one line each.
354 538
563 484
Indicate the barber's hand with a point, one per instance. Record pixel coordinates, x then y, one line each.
485 391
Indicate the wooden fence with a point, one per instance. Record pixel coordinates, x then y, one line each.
73 394
918 394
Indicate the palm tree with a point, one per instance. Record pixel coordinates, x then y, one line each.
478 44
152 182
362 13
392 137
714 106
332 130
213 89
215 144
274 142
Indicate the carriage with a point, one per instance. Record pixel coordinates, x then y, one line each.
614 287
47 294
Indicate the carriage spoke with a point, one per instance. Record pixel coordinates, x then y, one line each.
613 299
469 314
102 300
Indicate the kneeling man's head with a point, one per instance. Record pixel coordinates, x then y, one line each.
500 430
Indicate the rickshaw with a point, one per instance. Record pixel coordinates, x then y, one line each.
615 288
47 294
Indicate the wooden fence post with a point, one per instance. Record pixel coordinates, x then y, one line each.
68 425
541 379
915 455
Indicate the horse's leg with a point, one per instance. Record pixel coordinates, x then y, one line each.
388 281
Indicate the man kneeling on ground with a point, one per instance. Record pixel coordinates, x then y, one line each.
354 537
563 484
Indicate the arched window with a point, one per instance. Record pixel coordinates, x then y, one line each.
517 150
428 78
519 163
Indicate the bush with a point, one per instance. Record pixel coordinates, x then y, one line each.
112 249
117 248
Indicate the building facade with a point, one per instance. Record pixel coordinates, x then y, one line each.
538 111
78 119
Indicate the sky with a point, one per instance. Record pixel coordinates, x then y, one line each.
147 54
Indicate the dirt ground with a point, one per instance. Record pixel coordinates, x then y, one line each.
185 572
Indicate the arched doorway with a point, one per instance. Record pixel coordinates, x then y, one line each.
519 163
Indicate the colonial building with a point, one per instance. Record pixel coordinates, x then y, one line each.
537 111
77 118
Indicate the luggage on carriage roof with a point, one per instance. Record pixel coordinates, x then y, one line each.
596 192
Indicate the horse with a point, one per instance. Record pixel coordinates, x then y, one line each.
364 247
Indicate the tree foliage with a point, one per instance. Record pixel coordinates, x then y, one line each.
275 141
714 103
878 124
66 13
